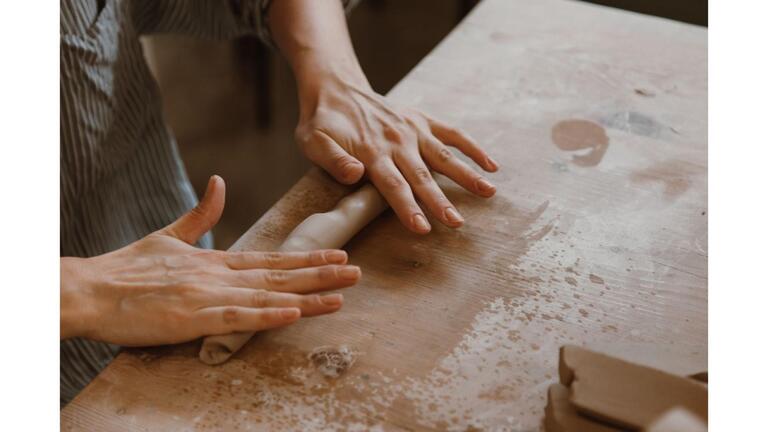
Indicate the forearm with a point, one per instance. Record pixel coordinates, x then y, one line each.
313 36
73 315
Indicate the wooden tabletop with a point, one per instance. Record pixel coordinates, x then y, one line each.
597 236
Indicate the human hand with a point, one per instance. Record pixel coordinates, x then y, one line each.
163 290
349 130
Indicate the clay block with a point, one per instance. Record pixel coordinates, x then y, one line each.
560 416
625 394
657 356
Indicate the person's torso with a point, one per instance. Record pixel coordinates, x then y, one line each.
121 176
108 96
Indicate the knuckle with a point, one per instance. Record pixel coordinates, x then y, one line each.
276 277
197 211
220 258
236 259
346 166
327 273
303 133
412 116
444 155
341 160
316 257
199 215
312 300
273 259
366 151
260 298
230 315
392 134
422 176
442 202
392 182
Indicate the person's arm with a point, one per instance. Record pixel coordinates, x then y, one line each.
350 131
163 290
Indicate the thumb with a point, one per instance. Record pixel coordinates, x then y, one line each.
198 221
325 152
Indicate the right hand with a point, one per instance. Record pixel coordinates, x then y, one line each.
162 290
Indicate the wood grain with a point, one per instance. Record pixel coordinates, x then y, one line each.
586 242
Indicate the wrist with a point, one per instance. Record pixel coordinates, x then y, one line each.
74 309
316 73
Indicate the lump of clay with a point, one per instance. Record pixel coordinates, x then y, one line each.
625 394
329 230
332 361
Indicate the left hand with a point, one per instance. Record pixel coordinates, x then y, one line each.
162 290
349 130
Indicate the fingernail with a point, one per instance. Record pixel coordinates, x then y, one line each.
332 300
420 222
485 186
492 163
349 272
211 181
336 257
290 313
453 216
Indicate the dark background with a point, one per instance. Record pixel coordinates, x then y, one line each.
232 105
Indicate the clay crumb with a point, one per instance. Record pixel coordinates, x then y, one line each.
332 361
644 92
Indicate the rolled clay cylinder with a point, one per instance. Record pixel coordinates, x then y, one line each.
330 230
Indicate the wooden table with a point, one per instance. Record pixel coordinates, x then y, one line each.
597 235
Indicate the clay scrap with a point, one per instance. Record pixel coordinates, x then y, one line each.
623 394
332 361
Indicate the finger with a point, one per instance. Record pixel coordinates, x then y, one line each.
229 319
310 305
427 190
440 158
458 139
283 260
329 155
198 221
390 182
305 280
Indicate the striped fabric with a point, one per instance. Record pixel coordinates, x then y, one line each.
121 175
